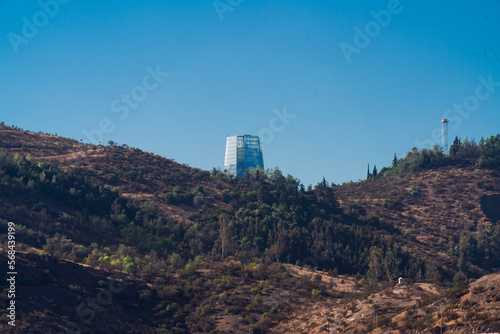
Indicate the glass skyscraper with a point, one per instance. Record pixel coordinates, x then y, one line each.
242 153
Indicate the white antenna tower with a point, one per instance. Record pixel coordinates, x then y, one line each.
444 124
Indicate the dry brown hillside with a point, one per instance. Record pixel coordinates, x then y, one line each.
132 172
431 206
86 212
412 308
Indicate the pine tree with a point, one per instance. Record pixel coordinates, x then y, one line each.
368 175
375 171
324 183
481 142
395 160
455 147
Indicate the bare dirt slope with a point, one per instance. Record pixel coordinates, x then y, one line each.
411 308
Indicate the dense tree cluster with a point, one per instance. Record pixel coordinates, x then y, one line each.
276 217
463 152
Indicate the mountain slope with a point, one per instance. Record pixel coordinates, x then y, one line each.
205 251
432 207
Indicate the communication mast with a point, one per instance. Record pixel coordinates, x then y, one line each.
444 125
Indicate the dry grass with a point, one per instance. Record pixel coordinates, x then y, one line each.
427 205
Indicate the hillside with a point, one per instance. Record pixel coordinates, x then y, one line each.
412 308
133 173
202 252
434 208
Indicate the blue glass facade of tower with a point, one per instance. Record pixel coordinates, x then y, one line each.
242 153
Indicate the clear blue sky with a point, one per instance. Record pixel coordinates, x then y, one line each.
230 67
